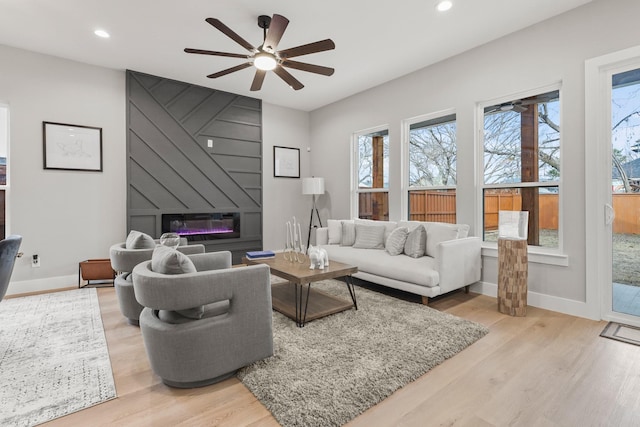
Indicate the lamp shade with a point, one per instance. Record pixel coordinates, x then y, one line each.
313 185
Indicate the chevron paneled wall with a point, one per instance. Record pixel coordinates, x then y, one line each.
196 150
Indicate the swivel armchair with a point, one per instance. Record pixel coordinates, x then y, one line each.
232 329
8 252
123 261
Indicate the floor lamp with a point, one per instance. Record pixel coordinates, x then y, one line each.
313 186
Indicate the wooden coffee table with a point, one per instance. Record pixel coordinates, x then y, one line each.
300 302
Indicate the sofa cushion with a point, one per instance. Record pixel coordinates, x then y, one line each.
462 229
184 316
139 240
389 226
166 260
348 236
369 236
416 242
395 243
420 271
438 233
335 231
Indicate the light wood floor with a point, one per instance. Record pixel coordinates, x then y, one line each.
546 369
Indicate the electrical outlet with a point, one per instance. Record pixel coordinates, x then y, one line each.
35 261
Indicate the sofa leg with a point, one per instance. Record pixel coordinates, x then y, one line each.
466 289
425 300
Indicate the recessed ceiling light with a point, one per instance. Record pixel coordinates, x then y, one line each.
444 5
102 33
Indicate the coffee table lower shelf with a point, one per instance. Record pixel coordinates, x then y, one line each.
320 303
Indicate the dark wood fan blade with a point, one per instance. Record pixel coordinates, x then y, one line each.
214 53
306 49
288 78
231 34
303 66
229 70
276 30
258 79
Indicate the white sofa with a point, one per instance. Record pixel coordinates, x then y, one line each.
452 259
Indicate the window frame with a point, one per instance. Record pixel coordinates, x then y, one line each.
406 162
5 187
355 168
537 254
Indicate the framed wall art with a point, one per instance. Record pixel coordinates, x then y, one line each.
286 162
72 147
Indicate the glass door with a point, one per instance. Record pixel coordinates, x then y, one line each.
623 211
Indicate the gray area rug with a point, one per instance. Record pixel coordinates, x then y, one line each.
53 357
334 368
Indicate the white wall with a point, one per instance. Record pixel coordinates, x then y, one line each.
282 197
64 216
550 52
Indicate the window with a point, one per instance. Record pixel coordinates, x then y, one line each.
432 169
4 143
371 195
522 165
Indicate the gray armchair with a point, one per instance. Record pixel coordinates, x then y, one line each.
8 252
123 261
234 328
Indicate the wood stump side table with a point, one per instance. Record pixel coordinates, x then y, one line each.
512 276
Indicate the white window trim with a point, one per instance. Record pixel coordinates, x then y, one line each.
405 131
598 245
536 254
355 168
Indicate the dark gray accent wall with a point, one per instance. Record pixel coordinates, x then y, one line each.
172 169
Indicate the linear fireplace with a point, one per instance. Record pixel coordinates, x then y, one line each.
203 226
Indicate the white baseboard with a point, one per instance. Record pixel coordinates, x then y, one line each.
547 302
40 285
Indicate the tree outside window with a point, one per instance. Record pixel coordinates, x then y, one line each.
432 169
373 175
522 165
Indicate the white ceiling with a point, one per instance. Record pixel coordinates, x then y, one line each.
376 40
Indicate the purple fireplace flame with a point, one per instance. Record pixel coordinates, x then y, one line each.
203 226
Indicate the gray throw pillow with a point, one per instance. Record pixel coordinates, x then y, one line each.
166 260
369 236
397 239
139 240
416 243
348 237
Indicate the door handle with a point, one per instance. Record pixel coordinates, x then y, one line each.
609 214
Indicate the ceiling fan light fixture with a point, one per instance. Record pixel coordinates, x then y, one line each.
264 61
444 5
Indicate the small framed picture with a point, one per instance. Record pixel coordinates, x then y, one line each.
72 147
286 162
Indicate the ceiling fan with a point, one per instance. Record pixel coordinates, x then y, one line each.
266 57
520 105
515 106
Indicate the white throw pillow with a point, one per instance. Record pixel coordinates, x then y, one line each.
416 242
335 231
389 226
369 236
395 243
439 233
348 237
